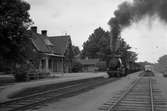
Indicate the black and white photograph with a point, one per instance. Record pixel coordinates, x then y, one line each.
83 55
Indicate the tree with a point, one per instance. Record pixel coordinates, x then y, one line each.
123 49
76 66
14 22
161 66
76 50
97 45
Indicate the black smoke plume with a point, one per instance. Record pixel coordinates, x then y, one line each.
130 12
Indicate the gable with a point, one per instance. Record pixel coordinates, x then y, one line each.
60 43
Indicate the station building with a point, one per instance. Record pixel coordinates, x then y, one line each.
51 54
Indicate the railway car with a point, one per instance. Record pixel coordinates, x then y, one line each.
148 68
119 68
134 67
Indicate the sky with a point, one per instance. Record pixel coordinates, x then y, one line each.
79 18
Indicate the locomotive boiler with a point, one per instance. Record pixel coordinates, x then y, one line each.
116 67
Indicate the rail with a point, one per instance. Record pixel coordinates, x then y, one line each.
123 95
151 95
131 92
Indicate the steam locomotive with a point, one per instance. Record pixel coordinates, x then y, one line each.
115 67
118 67
117 63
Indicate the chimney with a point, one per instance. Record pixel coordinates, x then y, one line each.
34 29
44 32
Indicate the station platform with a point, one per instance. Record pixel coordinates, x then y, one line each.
6 91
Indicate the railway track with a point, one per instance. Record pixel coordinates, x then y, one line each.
31 101
143 95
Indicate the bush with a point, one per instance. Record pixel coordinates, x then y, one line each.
101 66
76 66
43 74
20 76
21 72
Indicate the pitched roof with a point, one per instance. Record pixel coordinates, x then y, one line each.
60 43
39 43
88 61
51 45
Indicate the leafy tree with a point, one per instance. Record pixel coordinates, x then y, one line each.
142 64
97 45
76 66
161 66
132 56
76 50
123 49
14 21
103 44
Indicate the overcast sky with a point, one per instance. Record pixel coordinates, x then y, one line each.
79 18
